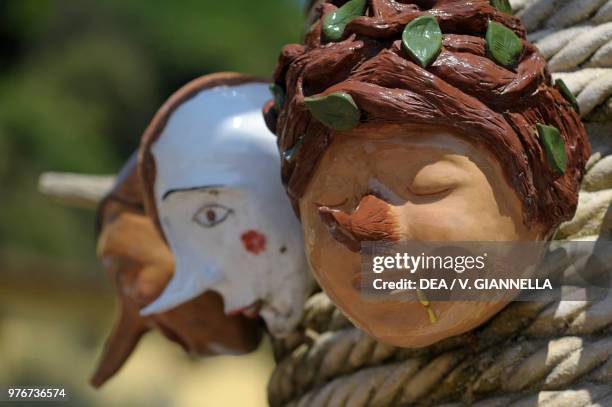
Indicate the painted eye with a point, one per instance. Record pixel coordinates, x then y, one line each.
211 215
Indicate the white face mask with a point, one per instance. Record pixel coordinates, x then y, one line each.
224 211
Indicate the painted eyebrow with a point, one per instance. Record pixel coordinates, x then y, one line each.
203 187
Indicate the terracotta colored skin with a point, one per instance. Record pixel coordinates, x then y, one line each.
490 109
140 265
408 184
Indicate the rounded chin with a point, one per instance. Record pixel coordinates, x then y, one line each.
421 341
412 342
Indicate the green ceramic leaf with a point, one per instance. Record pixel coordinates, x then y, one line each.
422 39
553 145
335 22
567 94
291 152
337 110
279 96
503 44
502 5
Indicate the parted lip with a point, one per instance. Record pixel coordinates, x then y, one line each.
250 311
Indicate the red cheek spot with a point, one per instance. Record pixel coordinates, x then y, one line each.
253 241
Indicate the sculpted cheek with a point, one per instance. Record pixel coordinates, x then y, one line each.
254 241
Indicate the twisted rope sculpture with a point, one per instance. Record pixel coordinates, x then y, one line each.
575 36
560 343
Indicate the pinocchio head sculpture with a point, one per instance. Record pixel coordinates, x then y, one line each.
140 266
422 120
211 182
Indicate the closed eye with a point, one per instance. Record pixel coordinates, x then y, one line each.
437 179
431 189
331 205
211 215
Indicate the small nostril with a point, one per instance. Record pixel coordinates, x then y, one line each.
337 230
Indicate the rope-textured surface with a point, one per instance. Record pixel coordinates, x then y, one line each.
593 90
596 189
560 344
575 37
538 15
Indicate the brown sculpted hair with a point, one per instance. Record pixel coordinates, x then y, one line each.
464 89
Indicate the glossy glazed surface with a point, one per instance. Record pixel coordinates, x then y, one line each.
403 183
464 68
140 265
223 210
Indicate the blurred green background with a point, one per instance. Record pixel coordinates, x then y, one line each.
79 82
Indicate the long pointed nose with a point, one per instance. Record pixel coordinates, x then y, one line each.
372 220
184 286
126 333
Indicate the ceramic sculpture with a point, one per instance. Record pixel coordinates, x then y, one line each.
211 182
140 265
429 120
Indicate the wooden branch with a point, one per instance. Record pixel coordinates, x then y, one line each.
75 190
